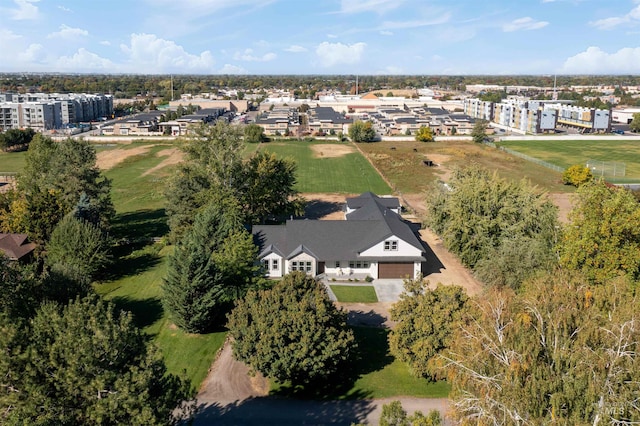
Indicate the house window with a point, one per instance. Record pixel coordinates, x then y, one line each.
301 266
294 266
274 264
265 264
337 263
391 245
358 264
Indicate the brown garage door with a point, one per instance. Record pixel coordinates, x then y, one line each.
395 270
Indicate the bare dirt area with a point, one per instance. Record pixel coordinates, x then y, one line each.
174 156
229 380
368 314
564 202
111 158
331 151
441 160
444 267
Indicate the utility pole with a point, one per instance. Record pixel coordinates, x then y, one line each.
172 87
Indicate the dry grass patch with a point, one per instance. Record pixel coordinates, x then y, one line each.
331 150
174 156
109 159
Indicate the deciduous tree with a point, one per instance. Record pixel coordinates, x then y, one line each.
424 134
362 131
635 123
603 237
479 131
425 322
253 133
560 352
292 332
577 175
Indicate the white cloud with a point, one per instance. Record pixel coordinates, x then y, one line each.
392 25
631 18
64 9
83 60
378 6
294 48
386 33
596 61
248 55
526 23
332 36
34 53
337 53
105 43
232 69
26 10
69 33
149 54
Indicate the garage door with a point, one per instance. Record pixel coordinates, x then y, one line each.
395 270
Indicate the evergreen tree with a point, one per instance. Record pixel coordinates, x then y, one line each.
84 364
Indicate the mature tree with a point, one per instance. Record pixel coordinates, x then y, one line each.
254 133
263 185
69 169
635 123
603 237
84 364
577 175
20 292
479 131
292 332
479 211
16 138
560 352
268 187
425 322
424 134
362 131
78 249
213 265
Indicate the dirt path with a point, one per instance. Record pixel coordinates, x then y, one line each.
228 381
229 396
444 267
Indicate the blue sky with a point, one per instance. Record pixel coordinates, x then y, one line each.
321 36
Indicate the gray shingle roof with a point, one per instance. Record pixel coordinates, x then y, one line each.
371 223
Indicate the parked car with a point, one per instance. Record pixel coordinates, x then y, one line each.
618 131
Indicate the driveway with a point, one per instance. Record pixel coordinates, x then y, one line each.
388 290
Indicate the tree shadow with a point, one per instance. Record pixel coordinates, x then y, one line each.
365 319
372 354
131 259
140 224
280 411
145 311
315 209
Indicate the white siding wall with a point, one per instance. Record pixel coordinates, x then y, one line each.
274 273
303 257
404 249
344 269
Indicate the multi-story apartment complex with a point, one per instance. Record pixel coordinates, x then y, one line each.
44 111
537 116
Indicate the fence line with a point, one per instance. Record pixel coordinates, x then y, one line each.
526 157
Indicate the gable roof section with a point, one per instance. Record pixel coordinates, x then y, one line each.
371 223
15 246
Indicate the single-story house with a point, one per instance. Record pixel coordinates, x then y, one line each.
373 241
15 246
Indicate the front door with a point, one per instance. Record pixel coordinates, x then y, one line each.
320 268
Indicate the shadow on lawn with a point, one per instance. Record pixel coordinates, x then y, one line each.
140 224
372 355
278 411
315 209
145 311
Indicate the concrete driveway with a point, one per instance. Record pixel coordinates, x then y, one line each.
388 290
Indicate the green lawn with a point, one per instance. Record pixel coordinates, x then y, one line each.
375 373
12 161
355 293
135 285
565 153
349 174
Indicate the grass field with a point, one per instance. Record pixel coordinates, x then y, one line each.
355 293
135 285
404 167
565 153
375 373
12 161
349 174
